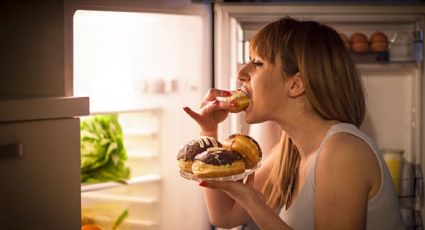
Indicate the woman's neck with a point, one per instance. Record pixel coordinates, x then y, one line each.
307 131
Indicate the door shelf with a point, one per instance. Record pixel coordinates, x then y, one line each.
134 180
389 69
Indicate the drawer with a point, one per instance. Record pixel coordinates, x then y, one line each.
41 188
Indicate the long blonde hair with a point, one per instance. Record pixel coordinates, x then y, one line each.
332 84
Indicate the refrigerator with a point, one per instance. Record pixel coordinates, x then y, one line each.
393 79
143 61
144 66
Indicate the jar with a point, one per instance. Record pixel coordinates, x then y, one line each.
393 159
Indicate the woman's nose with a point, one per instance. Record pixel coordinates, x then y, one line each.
243 74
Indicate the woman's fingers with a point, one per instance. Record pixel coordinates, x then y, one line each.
221 185
212 94
197 117
250 179
210 107
214 106
227 185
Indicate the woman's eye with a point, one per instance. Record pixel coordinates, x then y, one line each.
257 63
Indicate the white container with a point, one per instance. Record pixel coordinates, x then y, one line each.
401 47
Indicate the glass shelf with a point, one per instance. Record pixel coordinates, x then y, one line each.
146 132
141 155
120 198
388 69
133 180
130 223
123 109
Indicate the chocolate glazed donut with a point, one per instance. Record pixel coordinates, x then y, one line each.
218 162
194 147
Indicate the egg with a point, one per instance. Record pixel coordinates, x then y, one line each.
378 37
358 37
360 47
379 46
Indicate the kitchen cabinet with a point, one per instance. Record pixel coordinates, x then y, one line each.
40 163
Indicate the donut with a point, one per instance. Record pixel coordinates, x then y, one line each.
187 153
218 162
246 146
240 98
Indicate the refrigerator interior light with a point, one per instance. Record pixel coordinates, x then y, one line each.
122 58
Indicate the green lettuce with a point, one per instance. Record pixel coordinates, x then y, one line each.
103 156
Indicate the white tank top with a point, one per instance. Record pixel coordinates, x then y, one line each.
383 211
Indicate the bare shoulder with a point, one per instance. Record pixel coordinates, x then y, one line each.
351 157
345 146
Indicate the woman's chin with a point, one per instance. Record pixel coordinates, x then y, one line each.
251 119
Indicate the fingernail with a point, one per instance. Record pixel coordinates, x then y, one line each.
202 184
227 94
233 104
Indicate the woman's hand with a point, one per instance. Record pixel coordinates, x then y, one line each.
237 190
212 111
251 200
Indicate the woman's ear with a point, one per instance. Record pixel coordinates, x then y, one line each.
296 86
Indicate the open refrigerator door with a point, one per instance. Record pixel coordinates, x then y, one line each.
393 79
141 69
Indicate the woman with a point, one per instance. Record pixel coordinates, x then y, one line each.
329 175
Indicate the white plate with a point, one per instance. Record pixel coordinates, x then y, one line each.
235 177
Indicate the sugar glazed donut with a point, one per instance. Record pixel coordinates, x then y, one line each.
246 146
218 162
241 100
187 153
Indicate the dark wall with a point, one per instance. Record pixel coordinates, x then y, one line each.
317 1
32 47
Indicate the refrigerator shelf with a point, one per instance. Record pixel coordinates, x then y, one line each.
120 198
128 223
136 109
392 68
134 180
141 154
141 132
139 224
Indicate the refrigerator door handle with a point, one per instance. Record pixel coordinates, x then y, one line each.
13 150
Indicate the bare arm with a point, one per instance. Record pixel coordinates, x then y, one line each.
232 203
243 202
248 200
347 172
224 210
